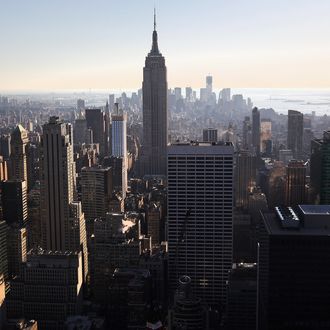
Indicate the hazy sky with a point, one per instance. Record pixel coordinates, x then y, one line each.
102 44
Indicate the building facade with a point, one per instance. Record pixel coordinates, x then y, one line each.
119 142
49 289
256 129
293 268
57 184
295 132
200 217
210 135
154 87
295 190
245 177
320 169
18 143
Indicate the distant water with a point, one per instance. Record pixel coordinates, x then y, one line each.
282 100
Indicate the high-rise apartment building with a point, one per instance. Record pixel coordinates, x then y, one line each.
200 217
154 88
18 143
295 132
295 190
293 268
256 130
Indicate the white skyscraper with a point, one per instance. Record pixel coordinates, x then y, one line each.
119 141
200 212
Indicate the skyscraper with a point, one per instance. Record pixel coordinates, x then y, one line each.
242 297
80 106
295 132
293 268
154 111
265 133
209 81
62 220
96 191
18 142
14 202
320 169
256 130
111 101
96 120
119 142
80 131
57 183
5 146
295 183
15 213
200 217
245 177
247 134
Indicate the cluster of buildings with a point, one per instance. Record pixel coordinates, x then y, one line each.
113 218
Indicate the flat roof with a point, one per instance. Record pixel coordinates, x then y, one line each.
315 209
274 227
200 148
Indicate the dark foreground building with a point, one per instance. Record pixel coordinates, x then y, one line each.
294 268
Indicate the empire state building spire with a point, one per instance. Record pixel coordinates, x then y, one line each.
154 48
154 88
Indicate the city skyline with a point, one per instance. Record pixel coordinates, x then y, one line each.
164 208
102 45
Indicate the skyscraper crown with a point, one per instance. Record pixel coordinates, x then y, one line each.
154 48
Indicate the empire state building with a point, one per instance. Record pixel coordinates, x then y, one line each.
154 87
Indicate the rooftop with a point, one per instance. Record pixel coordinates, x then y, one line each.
311 220
202 148
315 209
